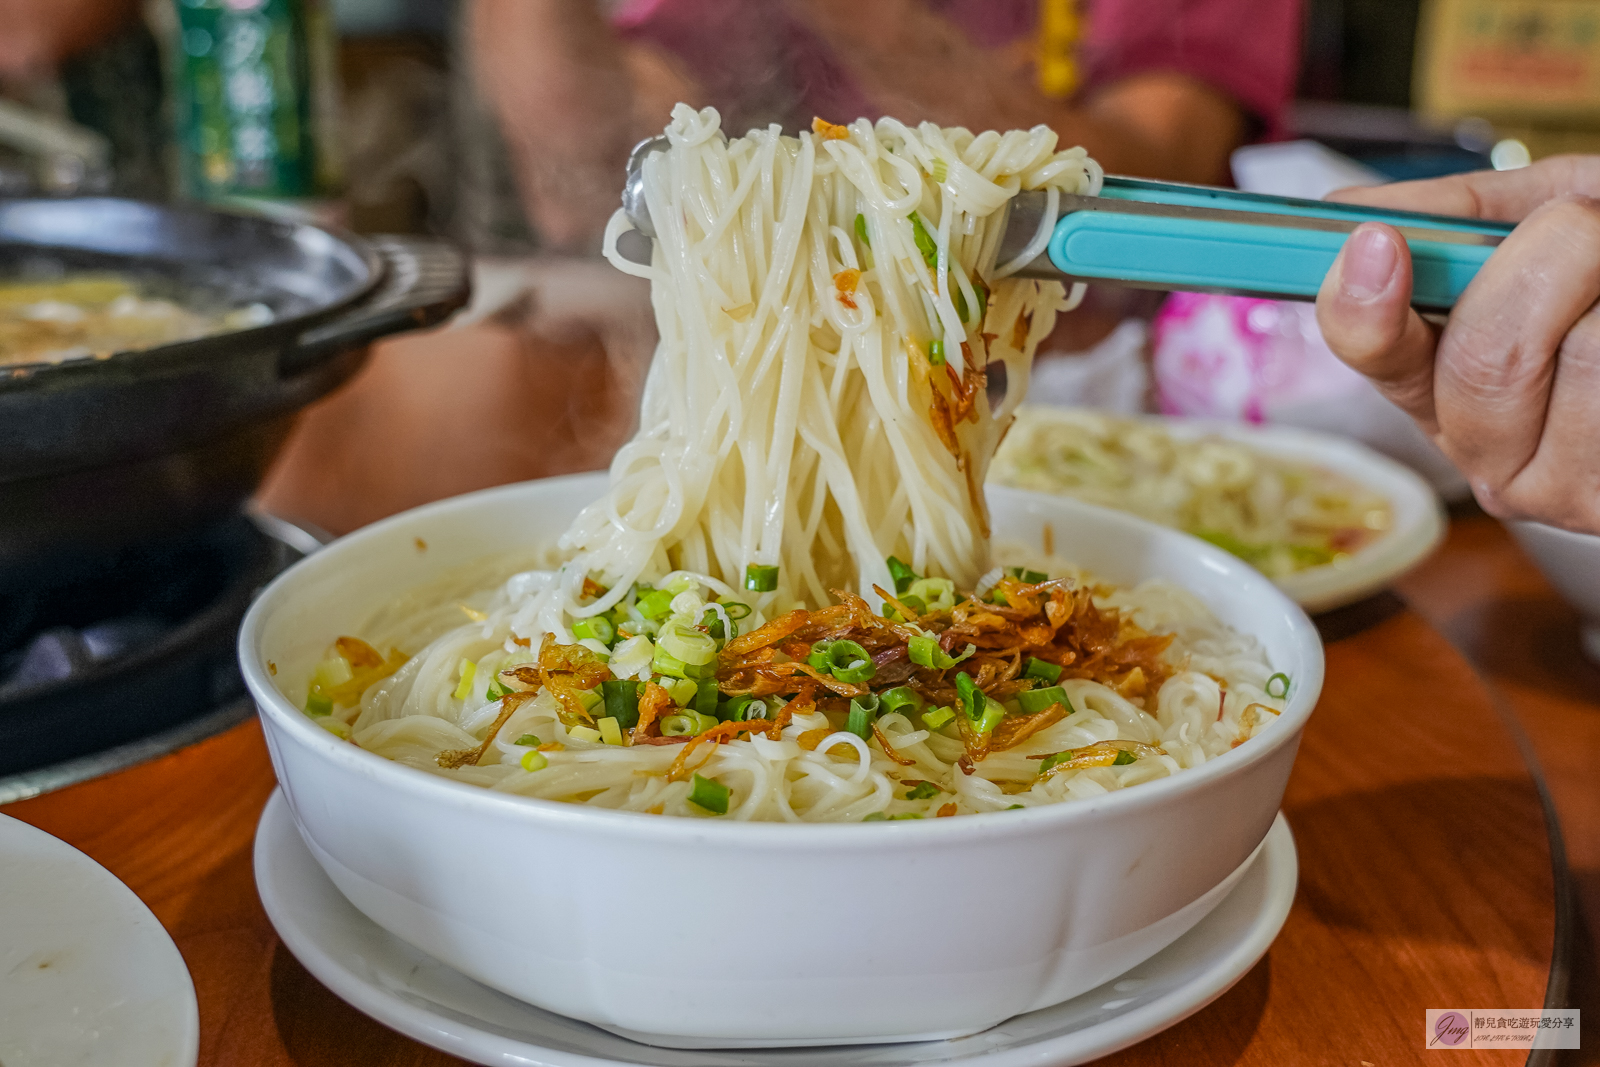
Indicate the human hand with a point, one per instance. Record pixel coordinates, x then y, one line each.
1509 386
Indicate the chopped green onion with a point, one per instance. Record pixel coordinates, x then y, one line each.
709 794
1043 670
760 579
706 696
1283 689
496 690
972 698
596 627
686 724
736 609
941 170
677 726
583 733
900 697
1016 807
1124 758
655 604
861 230
925 652
863 710
686 644
993 712
912 603
876 816
901 572
1022 574
534 760
681 690
664 662
740 708
923 790
335 670
528 739
826 655
936 718
469 671
318 704
939 594
711 623
622 701
925 242
590 698
1034 701
961 302
845 660
905 815
1050 761
936 352
858 673
610 732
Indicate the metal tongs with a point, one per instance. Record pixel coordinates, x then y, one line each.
1163 235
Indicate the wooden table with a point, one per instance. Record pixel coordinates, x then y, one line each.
1427 878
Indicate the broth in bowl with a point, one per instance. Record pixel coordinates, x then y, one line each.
97 315
682 701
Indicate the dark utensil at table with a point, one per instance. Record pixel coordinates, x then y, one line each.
97 455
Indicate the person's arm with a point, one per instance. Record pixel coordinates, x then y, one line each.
917 65
1509 386
572 99
36 35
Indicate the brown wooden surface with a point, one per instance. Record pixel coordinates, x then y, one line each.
1425 880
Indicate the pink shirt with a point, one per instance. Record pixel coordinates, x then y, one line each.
758 65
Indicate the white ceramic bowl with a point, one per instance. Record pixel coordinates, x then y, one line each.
1572 563
700 933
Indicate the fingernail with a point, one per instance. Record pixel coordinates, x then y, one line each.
1368 267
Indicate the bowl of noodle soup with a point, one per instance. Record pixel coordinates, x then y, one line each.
783 731
706 932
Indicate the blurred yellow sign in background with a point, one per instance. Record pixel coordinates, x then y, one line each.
1512 61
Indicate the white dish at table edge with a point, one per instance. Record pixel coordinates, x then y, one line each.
420 997
572 908
1418 524
88 976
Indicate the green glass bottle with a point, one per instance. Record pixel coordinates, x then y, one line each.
256 99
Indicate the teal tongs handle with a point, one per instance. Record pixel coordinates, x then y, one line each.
1157 235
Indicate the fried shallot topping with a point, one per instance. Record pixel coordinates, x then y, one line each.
966 666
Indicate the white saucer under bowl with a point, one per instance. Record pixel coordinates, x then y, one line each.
88 976
422 998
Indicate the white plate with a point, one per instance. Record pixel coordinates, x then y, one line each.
88 976
419 996
1419 518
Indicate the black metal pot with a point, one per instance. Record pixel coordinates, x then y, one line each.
97 455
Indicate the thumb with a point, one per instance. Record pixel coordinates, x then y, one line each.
1365 313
